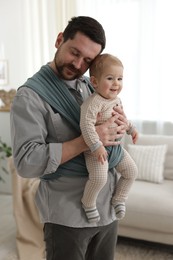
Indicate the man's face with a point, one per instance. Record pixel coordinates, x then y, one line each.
74 57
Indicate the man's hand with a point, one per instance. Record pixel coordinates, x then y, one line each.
121 117
108 134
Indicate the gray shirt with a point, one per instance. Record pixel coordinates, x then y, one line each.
37 134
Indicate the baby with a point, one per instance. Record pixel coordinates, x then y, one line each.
106 76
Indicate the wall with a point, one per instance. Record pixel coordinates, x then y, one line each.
12 49
28 30
11 41
17 40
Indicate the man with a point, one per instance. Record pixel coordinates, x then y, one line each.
47 144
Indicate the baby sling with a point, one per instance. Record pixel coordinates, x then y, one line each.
56 93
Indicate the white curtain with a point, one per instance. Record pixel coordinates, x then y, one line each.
42 21
140 33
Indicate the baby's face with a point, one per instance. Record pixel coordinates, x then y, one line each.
110 83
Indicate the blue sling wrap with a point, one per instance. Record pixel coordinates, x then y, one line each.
56 93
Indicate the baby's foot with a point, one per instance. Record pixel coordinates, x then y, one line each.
92 214
120 210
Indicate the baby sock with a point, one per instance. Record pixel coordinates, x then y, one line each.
92 214
120 210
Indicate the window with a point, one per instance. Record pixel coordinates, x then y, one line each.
139 33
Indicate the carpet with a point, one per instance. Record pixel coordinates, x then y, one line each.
132 249
128 249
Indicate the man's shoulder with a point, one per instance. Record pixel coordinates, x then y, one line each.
25 91
27 95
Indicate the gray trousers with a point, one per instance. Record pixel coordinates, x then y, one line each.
97 243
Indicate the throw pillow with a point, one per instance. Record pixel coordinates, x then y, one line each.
149 160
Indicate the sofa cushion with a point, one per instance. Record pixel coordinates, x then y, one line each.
149 160
157 140
150 207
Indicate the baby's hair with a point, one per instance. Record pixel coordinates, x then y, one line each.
102 61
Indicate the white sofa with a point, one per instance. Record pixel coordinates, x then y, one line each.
149 214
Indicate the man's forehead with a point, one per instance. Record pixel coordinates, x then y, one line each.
84 45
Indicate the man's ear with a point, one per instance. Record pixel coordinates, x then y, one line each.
93 81
59 40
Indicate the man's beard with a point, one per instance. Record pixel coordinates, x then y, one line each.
60 68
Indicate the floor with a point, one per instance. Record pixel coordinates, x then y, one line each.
7 228
127 249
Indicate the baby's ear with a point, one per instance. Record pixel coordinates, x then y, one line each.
93 81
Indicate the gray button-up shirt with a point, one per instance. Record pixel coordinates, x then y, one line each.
37 134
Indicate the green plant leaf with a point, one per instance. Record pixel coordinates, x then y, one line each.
4 148
5 151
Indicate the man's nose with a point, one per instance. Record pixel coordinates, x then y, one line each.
77 63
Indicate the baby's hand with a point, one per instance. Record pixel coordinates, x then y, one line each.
134 136
101 154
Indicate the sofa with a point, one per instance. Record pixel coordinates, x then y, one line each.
149 207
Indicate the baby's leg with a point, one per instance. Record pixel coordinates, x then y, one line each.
97 179
128 172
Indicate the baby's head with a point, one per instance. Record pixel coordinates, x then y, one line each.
102 62
106 75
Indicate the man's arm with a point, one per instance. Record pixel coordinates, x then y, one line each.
107 135
33 156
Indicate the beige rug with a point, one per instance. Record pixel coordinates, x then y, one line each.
130 249
126 249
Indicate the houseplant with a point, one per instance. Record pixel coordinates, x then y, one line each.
5 152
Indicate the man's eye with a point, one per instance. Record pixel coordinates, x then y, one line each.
88 61
75 53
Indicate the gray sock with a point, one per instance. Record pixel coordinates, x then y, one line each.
120 210
92 214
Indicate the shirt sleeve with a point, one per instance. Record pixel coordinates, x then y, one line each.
33 156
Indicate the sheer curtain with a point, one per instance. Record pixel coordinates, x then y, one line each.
42 21
139 33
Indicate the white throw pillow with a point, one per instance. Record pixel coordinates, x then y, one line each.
149 160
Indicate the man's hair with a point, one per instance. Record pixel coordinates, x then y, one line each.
102 61
87 26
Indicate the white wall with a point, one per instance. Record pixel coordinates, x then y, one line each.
28 30
12 41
